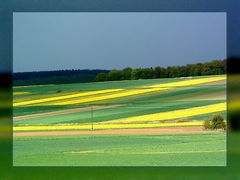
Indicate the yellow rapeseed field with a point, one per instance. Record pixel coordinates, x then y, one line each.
110 96
183 113
190 82
20 93
104 126
64 97
148 89
30 86
116 94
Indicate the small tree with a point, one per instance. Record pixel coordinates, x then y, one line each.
217 122
126 73
136 73
101 76
115 75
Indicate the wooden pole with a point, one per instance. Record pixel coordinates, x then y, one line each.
92 116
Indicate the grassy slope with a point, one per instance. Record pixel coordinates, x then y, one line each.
121 150
50 90
38 92
153 103
113 113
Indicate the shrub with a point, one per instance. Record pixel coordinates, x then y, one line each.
101 77
217 122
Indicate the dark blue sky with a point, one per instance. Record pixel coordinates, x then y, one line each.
52 41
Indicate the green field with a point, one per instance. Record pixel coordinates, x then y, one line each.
205 149
185 149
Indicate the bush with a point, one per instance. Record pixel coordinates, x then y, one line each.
217 122
101 77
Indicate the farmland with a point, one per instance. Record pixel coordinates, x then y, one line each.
94 124
119 150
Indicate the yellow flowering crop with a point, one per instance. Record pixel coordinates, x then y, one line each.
190 82
147 89
20 93
30 86
100 96
64 97
109 96
104 126
183 113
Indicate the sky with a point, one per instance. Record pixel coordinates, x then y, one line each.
56 41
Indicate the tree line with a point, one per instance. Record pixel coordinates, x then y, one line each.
55 77
214 67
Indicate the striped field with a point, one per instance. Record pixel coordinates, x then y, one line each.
131 106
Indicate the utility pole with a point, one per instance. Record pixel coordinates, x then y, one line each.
92 116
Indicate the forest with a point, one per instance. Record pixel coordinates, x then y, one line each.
55 77
214 67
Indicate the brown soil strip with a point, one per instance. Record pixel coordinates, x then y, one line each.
171 130
210 96
213 83
61 112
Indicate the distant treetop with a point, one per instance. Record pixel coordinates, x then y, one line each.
215 67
